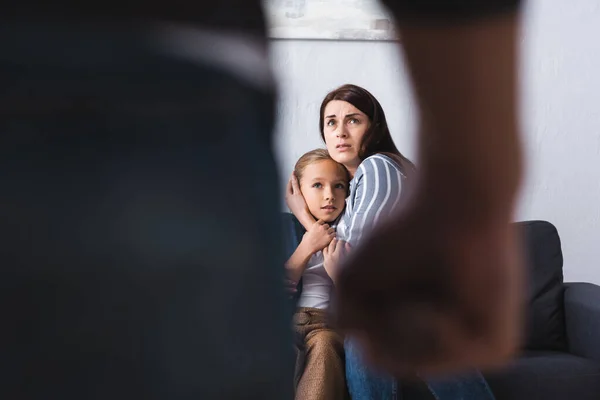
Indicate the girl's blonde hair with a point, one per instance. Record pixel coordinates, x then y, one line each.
314 156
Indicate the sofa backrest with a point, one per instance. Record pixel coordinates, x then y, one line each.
544 316
292 232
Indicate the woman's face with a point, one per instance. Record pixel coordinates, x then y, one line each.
344 129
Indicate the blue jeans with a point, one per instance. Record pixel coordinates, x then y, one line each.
141 253
366 384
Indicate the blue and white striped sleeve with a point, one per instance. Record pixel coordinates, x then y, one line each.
377 194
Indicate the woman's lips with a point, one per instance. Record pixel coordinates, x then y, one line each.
342 147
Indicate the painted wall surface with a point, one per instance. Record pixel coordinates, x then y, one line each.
560 108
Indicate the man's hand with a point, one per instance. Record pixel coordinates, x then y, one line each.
433 297
438 288
333 256
318 236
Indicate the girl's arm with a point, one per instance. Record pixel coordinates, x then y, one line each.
317 237
296 264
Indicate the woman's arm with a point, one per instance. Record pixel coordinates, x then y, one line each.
379 185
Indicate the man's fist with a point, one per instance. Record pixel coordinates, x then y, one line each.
432 297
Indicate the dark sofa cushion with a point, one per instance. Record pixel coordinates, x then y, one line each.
547 376
544 315
292 233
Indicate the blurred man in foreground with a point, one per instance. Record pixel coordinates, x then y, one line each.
135 138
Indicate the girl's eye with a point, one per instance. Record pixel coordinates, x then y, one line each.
317 185
340 186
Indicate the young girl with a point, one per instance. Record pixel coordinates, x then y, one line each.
320 350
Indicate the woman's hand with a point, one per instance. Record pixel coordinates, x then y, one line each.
333 256
291 287
318 236
296 203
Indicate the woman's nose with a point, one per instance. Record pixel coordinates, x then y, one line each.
341 132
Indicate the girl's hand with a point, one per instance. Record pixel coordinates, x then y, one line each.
296 203
318 236
333 255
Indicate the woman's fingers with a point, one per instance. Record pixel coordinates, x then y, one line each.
330 248
333 244
295 186
292 186
289 188
291 286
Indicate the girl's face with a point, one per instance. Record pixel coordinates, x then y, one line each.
344 129
324 185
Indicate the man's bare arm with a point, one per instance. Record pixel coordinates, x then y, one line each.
438 288
464 76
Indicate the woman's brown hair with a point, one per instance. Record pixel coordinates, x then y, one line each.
377 139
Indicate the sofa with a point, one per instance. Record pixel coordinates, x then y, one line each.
560 356
561 352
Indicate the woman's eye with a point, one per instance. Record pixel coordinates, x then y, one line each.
353 121
317 185
330 122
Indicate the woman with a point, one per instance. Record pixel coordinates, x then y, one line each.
354 129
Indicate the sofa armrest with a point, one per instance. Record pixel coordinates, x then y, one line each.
582 318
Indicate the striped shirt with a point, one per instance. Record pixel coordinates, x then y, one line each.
375 192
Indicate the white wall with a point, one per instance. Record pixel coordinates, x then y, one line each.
560 114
